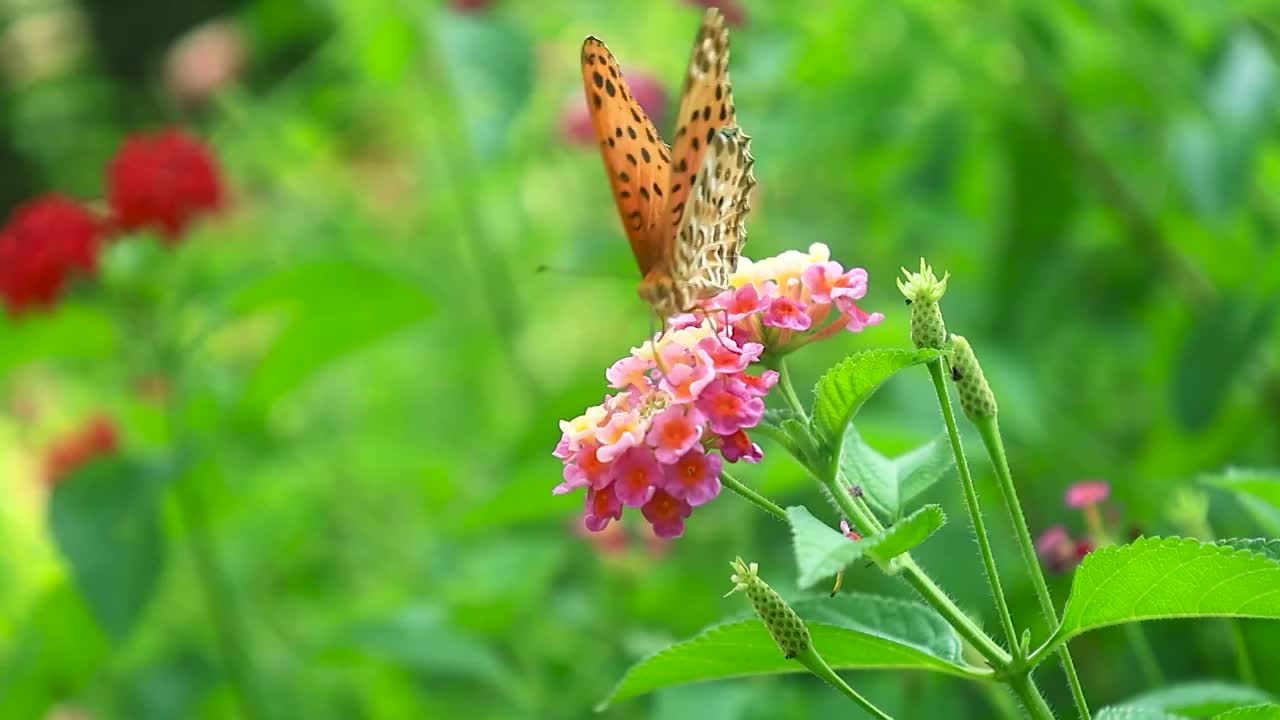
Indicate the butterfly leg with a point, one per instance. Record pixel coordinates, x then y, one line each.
706 315
653 344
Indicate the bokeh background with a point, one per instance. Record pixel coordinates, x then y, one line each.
348 433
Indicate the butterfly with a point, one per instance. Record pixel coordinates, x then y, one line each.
684 207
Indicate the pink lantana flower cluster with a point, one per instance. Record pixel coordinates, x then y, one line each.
792 299
652 445
685 400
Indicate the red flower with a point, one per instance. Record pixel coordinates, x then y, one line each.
163 181
98 437
45 240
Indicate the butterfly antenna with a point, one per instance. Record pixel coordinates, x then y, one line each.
546 269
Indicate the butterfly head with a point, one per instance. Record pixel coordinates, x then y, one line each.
664 294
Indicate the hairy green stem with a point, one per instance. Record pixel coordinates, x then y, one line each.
975 509
788 391
865 521
818 666
1029 695
754 497
990 431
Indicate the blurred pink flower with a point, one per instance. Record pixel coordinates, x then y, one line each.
204 61
1086 493
575 119
734 14
1056 549
467 6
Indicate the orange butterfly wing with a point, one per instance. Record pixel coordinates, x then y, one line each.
706 107
636 158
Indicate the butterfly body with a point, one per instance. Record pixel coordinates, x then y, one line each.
684 206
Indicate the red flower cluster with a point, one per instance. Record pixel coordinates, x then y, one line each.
159 181
162 181
45 241
96 438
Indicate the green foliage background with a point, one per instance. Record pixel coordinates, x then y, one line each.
368 368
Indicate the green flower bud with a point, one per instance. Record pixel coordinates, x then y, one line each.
923 290
784 625
976 398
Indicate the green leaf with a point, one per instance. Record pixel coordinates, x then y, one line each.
905 534
1158 578
864 466
331 309
1199 698
1260 483
105 519
844 388
851 631
822 551
890 484
1263 546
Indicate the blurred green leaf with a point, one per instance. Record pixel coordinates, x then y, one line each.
1198 698
1252 712
56 651
71 331
852 631
1221 342
845 387
1260 483
170 687
822 552
490 69
1242 90
105 519
1160 578
419 638
889 485
332 309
